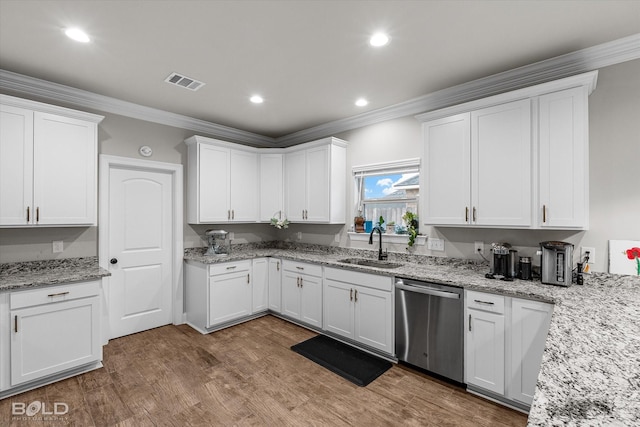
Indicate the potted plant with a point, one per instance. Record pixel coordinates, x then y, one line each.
391 227
411 220
380 223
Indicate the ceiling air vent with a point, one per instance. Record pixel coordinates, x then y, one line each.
184 81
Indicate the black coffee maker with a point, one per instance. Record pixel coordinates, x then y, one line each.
503 262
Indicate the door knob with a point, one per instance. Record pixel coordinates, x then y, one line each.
113 260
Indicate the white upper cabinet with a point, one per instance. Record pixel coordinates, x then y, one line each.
501 165
514 160
48 159
564 160
315 182
271 186
222 182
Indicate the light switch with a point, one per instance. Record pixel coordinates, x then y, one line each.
58 246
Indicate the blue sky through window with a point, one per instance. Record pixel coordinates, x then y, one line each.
378 186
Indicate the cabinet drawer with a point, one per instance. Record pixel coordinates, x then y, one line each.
50 294
383 283
302 268
485 302
229 267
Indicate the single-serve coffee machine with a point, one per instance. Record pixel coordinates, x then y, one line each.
503 262
556 264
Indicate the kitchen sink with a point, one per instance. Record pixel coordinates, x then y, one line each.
370 262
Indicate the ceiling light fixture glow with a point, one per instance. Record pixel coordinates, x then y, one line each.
362 102
77 35
379 39
256 99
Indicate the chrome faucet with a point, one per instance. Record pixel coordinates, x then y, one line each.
381 255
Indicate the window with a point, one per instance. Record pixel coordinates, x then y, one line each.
387 189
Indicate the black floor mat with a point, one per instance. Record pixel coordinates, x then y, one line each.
352 364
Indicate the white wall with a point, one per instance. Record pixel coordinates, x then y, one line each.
615 187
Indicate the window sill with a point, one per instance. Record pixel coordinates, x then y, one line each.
387 238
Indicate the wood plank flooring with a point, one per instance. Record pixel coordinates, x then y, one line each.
247 375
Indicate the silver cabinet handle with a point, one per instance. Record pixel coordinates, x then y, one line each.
298 282
301 283
38 214
231 267
466 214
355 295
469 323
278 266
483 302
474 214
58 294
233 214
351 294
228 214
544 213
300 268
28 214
16 324
248 280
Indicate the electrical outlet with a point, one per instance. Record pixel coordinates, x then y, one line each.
336 238
231 235
299 235
479 247
58 246
592 254
435 244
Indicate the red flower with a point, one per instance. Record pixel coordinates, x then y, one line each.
633 253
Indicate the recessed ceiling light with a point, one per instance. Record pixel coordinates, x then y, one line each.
362 102
256 99
379 39
77 35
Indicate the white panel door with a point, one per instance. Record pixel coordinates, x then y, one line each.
53 338
140 249
338 308
318 185
275 285
564 156
501 165
213 184
295 185
445 175
260 285
271 186
374 318
311 300
243 192
485 351
529 328
64 170
16 165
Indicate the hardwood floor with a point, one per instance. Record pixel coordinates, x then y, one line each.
247 375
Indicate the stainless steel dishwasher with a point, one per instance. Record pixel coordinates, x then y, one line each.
429 327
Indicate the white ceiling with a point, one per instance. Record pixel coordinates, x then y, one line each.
310 60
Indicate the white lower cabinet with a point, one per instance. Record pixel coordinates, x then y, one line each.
275 285
504 342
53 330
218 294
260 288
302 292
359 306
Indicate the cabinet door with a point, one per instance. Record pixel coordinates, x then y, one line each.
311 300
229 297
445 175
271 186
64 170
485 350
564 159
318 185
213 184
291 294
260 285
275 285
529 328
243 192
16 165
374 318
295 185
338 308
501 165
52 338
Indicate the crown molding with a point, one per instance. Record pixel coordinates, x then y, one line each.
56 92
559 67
581 61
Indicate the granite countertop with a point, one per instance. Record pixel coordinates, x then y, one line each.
590 372
31 274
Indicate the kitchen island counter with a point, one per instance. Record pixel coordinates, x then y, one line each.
590 372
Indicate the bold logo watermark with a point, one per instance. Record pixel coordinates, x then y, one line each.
38 410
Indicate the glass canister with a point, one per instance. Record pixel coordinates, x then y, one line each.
219 242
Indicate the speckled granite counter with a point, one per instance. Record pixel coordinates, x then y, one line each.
590 371
22 275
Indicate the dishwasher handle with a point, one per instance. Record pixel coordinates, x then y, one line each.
427 291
